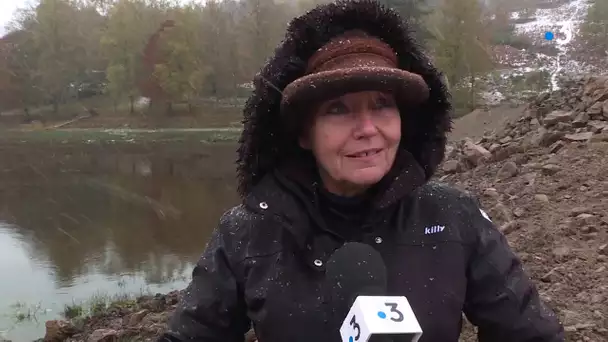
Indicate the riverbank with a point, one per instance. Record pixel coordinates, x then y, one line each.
99 112
104 318
95 136
123 318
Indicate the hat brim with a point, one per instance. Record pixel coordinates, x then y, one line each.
408 88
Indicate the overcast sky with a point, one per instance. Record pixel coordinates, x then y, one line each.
7 9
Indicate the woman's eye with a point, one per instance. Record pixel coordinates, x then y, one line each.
383 103
336 108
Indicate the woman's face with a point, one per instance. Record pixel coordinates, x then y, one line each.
354 139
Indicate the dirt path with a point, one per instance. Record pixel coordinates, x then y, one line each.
474 124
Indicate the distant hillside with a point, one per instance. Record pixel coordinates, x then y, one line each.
538 57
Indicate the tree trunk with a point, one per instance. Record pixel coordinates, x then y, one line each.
132 104
26 113
55 105
473 90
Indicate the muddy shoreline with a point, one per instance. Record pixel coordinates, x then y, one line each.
138 319
142 318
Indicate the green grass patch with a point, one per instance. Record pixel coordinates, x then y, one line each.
24 312
98 304
73 311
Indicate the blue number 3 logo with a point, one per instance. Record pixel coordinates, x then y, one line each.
355 325
397 317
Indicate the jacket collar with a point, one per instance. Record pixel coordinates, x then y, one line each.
289 194
405 176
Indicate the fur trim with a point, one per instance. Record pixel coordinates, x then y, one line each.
266 142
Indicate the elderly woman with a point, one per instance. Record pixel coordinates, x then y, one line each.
345 127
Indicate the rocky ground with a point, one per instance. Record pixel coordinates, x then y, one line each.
140 320
543 180
541 177
144 319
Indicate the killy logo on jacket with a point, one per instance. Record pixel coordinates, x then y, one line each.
433 229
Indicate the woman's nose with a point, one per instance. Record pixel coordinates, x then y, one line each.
365 125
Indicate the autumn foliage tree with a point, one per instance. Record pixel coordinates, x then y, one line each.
53 50
461 48
17 79
176 53
149 84
130 25
415 12
183 72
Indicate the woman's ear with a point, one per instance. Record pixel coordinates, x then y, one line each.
304 141
304 132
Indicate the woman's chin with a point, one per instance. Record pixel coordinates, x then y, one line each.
368 176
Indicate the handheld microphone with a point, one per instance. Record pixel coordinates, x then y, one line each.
356 277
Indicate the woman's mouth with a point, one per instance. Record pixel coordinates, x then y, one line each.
365 153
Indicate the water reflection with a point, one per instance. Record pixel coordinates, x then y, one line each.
76 222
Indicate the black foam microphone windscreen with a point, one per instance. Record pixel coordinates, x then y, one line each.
355 269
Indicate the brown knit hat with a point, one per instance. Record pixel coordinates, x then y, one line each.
354 61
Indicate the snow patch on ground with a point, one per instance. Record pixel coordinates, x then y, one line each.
519 62
572 13
493 97
564 21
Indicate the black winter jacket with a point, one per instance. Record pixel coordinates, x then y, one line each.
264 264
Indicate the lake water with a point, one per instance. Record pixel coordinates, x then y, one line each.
80 222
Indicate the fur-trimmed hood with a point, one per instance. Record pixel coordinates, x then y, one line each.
266 142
